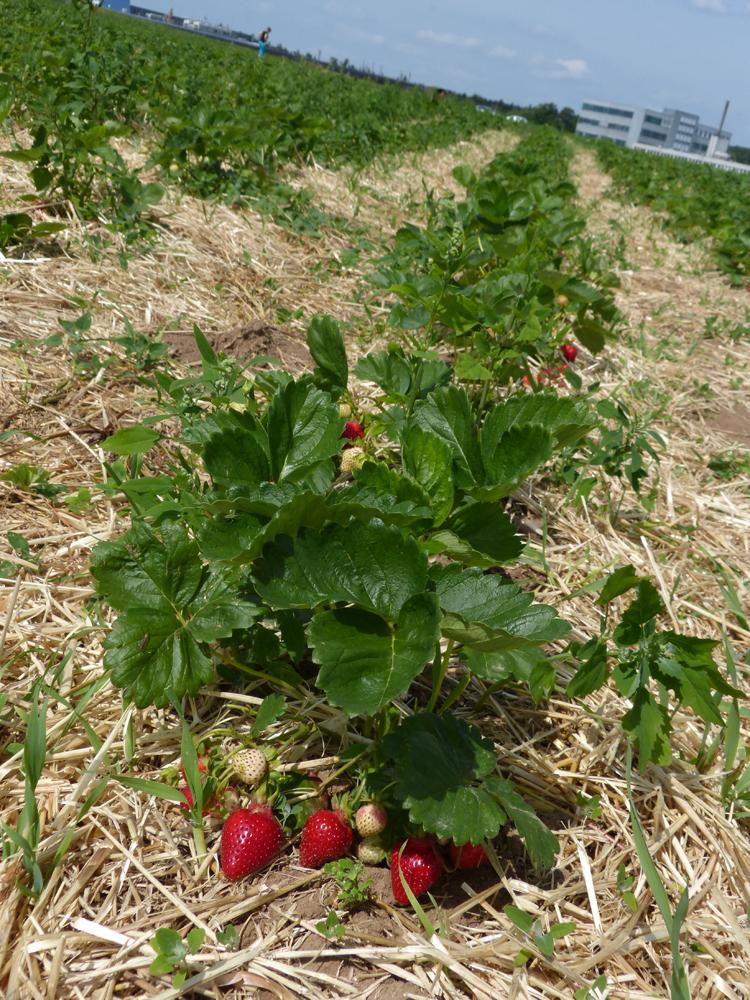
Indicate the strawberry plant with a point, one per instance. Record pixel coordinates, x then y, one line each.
257 552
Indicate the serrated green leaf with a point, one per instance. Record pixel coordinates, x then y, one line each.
379 491
566 419
511 458
389 370
236 455
365 662
541 843
646 606
488 531
171 606
371 565
304 430
438 764
515 665
647 722
447 413
326 346
429 459
143 570
131 440
487 613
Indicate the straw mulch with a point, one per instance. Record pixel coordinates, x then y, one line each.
130 869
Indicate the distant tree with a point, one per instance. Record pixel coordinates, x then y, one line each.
543 114
741 154
568 119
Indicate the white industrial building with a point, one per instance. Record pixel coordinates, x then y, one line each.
671 132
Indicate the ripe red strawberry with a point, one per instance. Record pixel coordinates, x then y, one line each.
569 352
353 430
420 864
467 856
370 819
250 839
326 837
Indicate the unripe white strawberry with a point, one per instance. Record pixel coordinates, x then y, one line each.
345 410
250 766
370 852
370 820
352 458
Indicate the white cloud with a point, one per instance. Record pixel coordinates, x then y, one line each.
714 6
456 41
563 69
500 52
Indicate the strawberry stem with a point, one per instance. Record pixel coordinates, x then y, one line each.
199 840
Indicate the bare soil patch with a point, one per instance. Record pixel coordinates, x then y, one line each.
244 344
735 423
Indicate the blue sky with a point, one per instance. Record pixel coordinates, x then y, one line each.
690 54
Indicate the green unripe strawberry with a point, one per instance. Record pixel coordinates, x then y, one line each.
352 458
370 851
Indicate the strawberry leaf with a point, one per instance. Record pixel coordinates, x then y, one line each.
371 565
365 662
541 843
429 459
171 607
304 429
328 352
511 458
439 763
566 419
447 413
486 535
488 614
390 371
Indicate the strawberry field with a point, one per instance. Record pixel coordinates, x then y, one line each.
375 490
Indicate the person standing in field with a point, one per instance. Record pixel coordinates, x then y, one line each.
263 41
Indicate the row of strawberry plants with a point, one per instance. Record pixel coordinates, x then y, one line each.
506 275
697 201
217 120
508 281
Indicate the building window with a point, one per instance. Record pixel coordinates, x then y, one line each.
618 112
618 128
652 119
588 121
648 133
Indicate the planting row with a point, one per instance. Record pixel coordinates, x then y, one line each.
215 119
697 201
